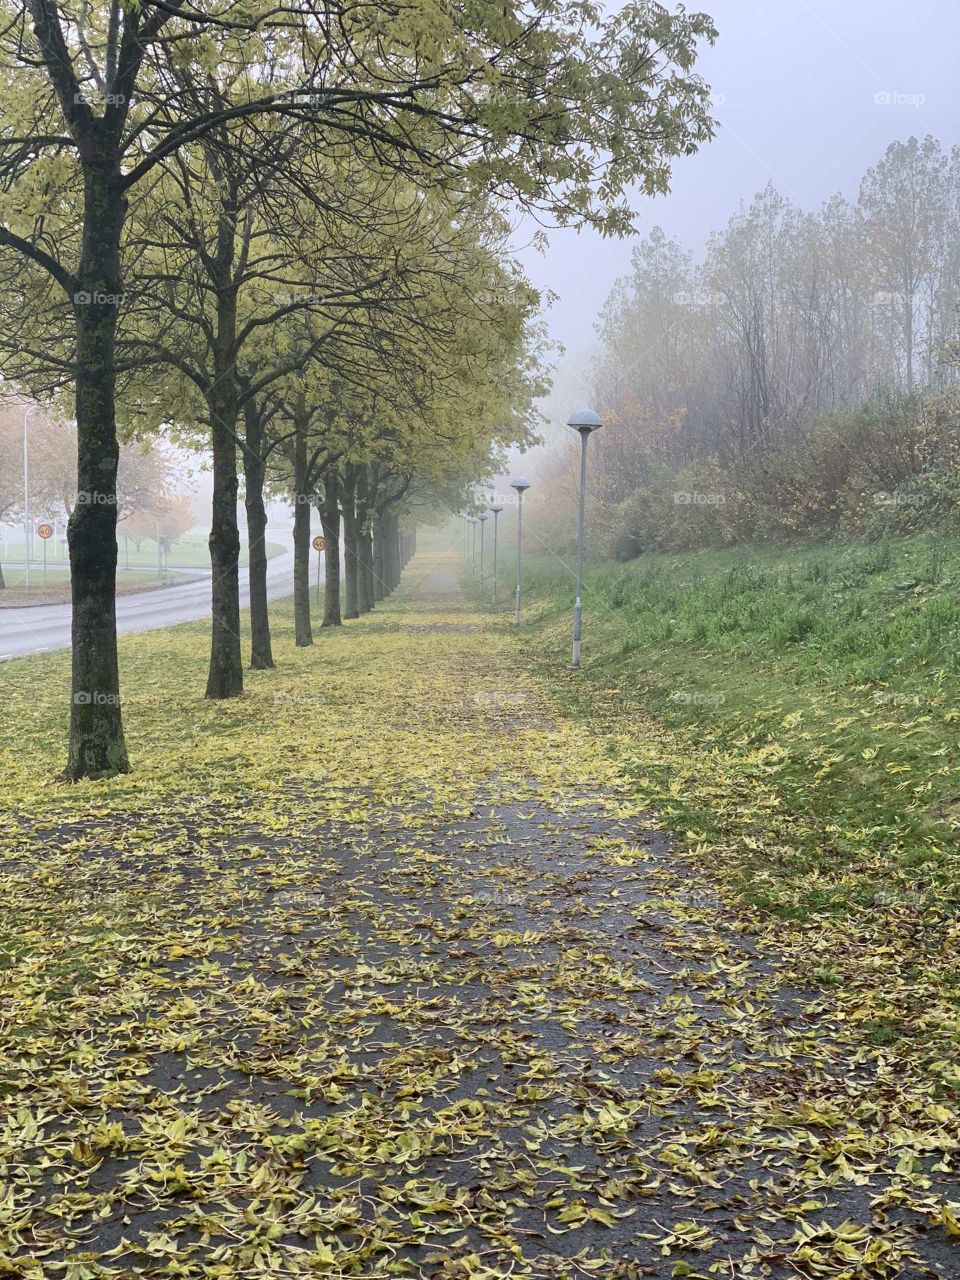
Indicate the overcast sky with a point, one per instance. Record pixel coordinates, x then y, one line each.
801 94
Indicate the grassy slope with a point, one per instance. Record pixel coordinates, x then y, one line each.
827 676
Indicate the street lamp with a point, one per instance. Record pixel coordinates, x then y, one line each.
482 517
521 485
496 520
27 529
584 421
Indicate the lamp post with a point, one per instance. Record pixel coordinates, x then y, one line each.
482 517
473 545
584 421
27 525
520 485
496 509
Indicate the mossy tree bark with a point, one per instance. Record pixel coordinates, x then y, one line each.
303 630
225 673
225 676
350 542
330 519
254 474
366 580
365 516
97 744
392 552
379 586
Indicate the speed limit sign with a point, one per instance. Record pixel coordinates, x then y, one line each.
319 544
44 531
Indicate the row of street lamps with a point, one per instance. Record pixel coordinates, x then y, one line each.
520 485
585 422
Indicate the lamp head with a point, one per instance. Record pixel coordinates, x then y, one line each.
520 484
584 421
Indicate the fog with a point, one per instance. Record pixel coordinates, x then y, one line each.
808 94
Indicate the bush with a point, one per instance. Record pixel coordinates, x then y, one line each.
891 466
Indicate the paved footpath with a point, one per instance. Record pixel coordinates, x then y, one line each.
439 1001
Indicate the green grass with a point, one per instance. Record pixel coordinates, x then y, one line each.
828 674
190 551
60 576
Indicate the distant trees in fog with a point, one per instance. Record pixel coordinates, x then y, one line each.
800 369
791 315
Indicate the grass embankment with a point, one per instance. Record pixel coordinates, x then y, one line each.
826 680
793 716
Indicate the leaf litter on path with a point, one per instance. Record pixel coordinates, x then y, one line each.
393 978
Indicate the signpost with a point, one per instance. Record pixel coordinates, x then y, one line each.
45 531
319 545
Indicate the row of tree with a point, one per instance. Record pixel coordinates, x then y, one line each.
279 235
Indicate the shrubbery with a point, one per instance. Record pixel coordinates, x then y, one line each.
888 467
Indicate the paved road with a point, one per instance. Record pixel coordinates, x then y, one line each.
45 627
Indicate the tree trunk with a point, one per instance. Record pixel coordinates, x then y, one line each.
365 553
96 729
365 517
254 472
301 537
350 545
225 678
393 544
379 560
330 519
3 585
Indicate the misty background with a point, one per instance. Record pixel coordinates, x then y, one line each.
808 94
